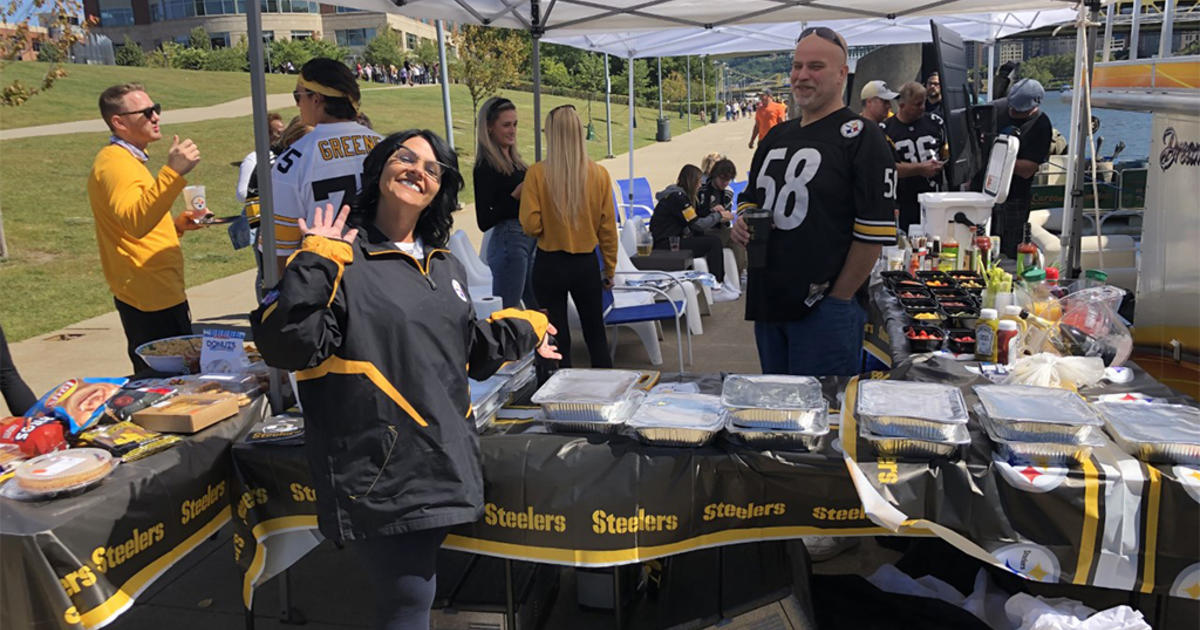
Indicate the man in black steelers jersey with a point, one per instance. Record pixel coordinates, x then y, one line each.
917 138
829 180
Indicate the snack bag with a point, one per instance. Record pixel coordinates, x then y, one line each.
34 436
128 441
79 402
129 401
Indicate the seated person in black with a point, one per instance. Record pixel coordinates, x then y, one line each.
716 196
675 215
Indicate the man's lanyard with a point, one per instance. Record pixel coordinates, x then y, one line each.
137 153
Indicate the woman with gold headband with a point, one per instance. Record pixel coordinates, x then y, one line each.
325 165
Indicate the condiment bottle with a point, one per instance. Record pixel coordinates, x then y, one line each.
1026 253
983 243
1043 303
949 255
1012 313
1006 341
985 335
1052 282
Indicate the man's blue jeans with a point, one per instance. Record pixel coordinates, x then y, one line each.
510 257
828 341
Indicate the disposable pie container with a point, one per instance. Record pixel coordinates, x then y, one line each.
909 448
1154 432
587 396
924 345
1040 453
62 472
1027 413
671 419
908 409
777 439
773 401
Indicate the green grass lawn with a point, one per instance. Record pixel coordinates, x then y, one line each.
53 276
74 96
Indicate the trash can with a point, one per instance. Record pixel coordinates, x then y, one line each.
713 117
664 130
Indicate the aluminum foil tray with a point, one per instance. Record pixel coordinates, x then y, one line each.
1154 432
585 420
772 391
778 439
677 419
1035 406
909 448
893 426
1042 452
894 402
785 419
587 396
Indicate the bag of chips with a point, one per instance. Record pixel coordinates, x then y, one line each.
79 402
34 436
129 401
127 440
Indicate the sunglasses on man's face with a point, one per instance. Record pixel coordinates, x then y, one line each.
825 33
153 110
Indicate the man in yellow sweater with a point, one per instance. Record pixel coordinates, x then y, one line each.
137 236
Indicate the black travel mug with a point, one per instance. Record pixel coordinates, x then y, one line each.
758 223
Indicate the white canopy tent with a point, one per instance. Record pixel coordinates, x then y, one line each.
647 28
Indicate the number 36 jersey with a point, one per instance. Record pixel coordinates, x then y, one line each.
322 167
827 184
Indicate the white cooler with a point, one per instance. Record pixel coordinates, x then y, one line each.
938 209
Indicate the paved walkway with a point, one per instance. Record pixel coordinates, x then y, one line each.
96 347
229 109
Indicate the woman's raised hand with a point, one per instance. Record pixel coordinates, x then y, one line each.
545 350
328 224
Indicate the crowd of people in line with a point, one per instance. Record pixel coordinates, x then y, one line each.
371 312
408 73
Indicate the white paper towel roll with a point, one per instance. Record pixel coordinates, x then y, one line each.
486 305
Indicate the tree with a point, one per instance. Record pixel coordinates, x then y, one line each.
386 49
324 48
674 88
231 59
190 59
56 47
130 54
198 38
589 76
555 74
488 59
289 50
426 53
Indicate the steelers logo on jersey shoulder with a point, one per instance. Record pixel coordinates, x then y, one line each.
852 128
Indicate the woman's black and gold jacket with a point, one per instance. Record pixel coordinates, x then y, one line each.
382 345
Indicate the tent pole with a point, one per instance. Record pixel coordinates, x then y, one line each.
607 106
441 36
991 66
703 90
262 147
629 72
689 92
660 115
537 95
1073 212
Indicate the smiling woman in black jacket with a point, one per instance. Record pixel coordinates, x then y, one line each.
378 326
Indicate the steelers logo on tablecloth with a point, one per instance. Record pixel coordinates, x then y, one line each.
1030 561
1188 583
1189 478
1031 478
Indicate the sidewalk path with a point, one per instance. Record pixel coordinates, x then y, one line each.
96 347
229 109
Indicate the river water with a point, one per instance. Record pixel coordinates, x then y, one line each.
1115 125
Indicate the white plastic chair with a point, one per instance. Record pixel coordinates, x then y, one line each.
628 238
479 276
684 290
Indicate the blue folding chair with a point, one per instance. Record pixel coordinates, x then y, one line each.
642 204
736 188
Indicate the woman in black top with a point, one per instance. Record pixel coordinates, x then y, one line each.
675 215
499 174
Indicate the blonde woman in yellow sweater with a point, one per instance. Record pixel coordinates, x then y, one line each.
567 205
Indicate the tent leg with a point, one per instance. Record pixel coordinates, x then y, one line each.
629 72
689 92
607 107
1085 40
537 95
441 37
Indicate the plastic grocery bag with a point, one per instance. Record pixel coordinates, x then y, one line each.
1048 370
1090 325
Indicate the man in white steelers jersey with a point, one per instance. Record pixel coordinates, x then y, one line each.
829 181
919 141
325 165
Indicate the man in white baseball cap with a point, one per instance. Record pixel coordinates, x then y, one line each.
877 100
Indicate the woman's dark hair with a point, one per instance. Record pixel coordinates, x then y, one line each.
334 74
689 181
433 226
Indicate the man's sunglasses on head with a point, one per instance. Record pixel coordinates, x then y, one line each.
154 109
825 33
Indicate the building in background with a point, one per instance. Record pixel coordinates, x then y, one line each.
34 36
149 23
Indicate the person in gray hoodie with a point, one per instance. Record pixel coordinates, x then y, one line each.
675 215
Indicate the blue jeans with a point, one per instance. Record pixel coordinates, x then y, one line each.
510 257
828 341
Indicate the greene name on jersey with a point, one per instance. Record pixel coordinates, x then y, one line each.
322 167
827 184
